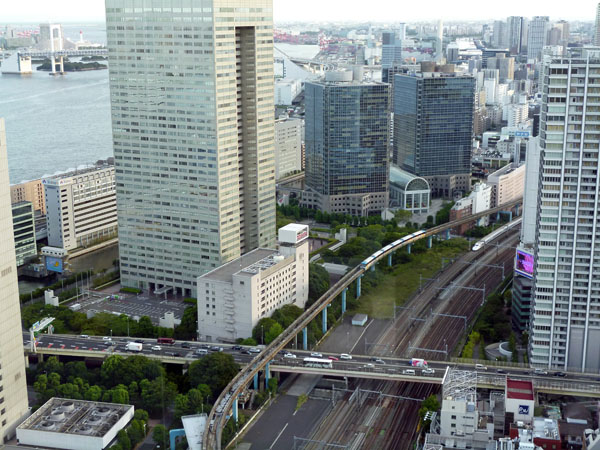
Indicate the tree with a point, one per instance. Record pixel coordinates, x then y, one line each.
157 394
215 370
135 431
182 405
249 341
272 385
188 327
402 215
160 435
262 328
273 332
318 282
123 440
120 395
145 327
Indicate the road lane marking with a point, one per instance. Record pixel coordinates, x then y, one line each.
278 436
361 335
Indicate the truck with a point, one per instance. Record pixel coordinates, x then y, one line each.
134 347
417 362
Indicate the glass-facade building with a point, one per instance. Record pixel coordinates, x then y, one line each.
433 124
191 87
346 138
24 231
565 325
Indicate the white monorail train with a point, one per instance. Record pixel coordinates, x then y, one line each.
490 237
367 262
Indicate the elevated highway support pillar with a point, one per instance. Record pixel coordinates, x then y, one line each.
304 338
448 234
234 409
409 249
267 375
498 216
358 286
256 381
343 302
324 324
373 268
390 260
429 241
517 210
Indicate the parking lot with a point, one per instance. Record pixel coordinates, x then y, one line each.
135 306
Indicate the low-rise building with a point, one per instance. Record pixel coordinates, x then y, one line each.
234 297
408 191
479 200
24 229
81 207
288 146
519 399
286 91
507 184
74 424
29 191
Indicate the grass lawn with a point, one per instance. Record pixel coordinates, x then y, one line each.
397 286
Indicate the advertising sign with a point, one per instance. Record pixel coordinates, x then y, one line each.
54 264
524 410
524 264
303 234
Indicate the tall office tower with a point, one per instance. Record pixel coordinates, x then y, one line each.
500 34
401 33
439 44
565 329
391 53
347 159
504 65
192 117
433 128
597 27
515 26
13 389
536 36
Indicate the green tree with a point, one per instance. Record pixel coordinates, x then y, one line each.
120 395
402 215
182 406
273 332
272 385
157 394
215 370
249 341
318 282
262 329
123 440
160 435
188 327
93 394
135 431
145 327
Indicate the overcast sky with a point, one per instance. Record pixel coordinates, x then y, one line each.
328 10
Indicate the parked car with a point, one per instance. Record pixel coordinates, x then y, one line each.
345 356
289 355
156 348
316 355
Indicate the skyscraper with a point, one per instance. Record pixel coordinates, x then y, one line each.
500 34
433 128
391 53
13 388
347 160
536 36
565 328
192 110
516 34
597 27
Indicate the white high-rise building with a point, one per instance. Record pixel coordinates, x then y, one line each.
597 27
13 388
288 146
565 328
192 110
536 36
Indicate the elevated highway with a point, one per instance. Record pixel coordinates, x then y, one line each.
228 397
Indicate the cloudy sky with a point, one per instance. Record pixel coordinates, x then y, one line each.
328 10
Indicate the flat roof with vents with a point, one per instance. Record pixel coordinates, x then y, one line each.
519 389
74 424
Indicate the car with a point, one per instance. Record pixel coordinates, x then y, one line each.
206 346
108 343
540 372
216 348
480 367
185 345
236 347
245 352
289 355
333 358
138 341
559 374
316 355
174 354
501 371
201 351
345 356
84 336
254 350
107 338
156 348
368 366
427 371
379 361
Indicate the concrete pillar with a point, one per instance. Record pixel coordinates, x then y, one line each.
256 381
373 268
267 375
510 216
53 63
235 409
429 241
498 216
325 320
409 249
40 358
304 338
517 210
343 301
358 286
448 234
390 260
62 64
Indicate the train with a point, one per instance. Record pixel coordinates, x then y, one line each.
490 237
367 262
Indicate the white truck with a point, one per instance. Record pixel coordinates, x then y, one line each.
134 347
417 362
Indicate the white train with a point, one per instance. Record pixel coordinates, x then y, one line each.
490 237
367 262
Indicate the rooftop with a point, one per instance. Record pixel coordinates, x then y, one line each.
256 260
74 173
402 178
519 389
545 428
76 417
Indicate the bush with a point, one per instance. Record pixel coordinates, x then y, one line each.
190 300
131 290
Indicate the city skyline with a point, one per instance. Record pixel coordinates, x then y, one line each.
352 11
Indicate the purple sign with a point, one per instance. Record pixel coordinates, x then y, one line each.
524 264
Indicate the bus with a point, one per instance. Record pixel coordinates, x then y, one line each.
318 363
165 340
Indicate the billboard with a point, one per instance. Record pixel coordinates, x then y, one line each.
524 263
54 264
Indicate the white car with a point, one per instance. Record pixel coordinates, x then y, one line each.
84 336
428 371
345 356
316 355
107 338
254 350
156 348
289 355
